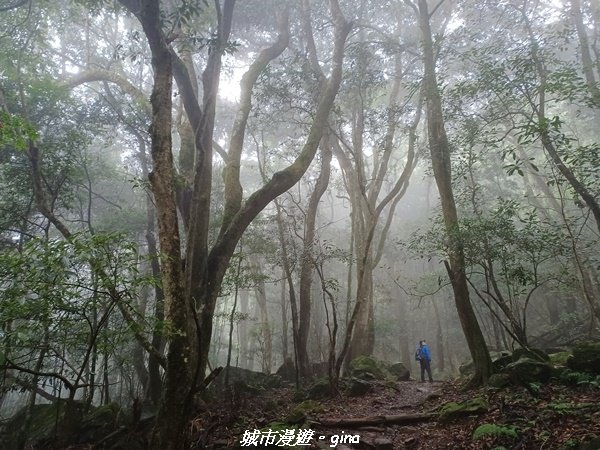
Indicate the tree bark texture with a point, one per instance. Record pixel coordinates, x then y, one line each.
172 414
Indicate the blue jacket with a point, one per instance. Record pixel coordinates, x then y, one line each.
425 352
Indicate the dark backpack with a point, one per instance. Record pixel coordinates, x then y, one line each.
418 355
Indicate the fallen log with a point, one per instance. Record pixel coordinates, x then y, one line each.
356 422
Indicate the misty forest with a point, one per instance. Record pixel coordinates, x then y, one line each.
230 224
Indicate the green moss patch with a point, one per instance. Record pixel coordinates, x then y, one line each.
496 431
302 411
452 411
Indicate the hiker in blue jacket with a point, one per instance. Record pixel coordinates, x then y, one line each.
424 358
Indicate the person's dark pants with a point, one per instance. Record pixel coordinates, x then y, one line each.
425 366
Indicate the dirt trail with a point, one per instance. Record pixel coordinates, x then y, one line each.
401 398
551 420
404 396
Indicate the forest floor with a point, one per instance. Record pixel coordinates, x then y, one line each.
551 416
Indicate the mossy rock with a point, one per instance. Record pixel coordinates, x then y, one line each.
560 358
357 387
585 358
246 380
526 370
43 422
366 368
500 361
103 415
496 431
452 411
101 421
536 354
319 389
303 411
399 371
499 380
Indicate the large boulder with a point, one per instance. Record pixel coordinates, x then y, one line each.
43 421
366 368
287 371
585 358
399 371
499 380
45 424
357 387
319 388
102 415
526 370
240 377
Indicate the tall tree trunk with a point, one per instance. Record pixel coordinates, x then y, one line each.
289 281
243 336
158 342
284 320
403 341
264 323
440 159
307 261
363 337
172 414
232 317
439 337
